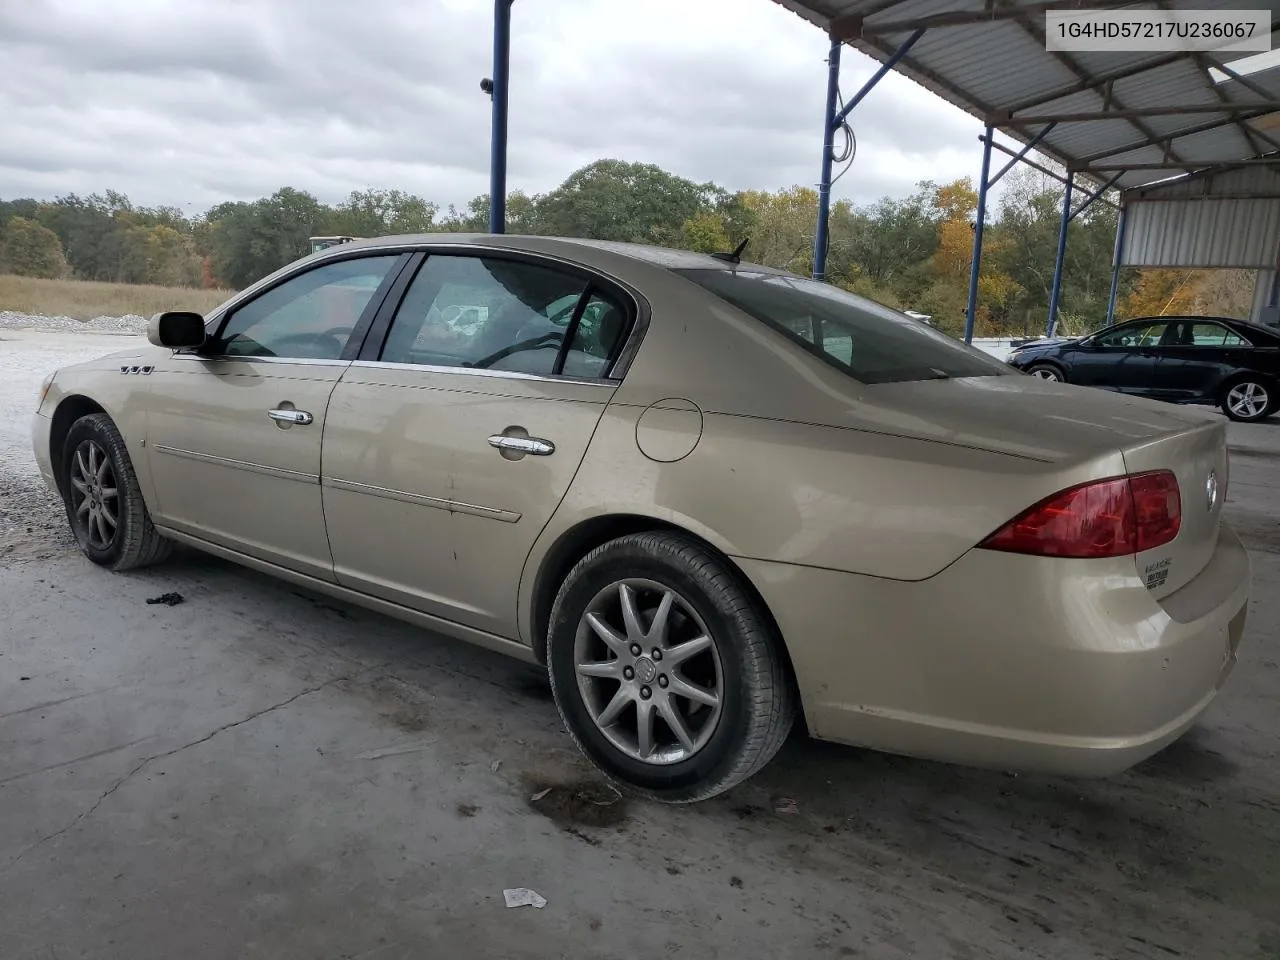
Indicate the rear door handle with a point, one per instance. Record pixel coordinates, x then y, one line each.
290 417
539 448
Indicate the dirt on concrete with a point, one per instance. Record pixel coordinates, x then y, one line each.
259 772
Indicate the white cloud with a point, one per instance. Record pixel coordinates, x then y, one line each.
191 102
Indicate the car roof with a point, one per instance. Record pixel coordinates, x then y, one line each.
666 257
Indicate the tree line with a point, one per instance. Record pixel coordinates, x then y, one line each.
911 253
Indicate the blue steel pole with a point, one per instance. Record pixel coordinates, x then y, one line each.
1115 268
828 149
498 134
980 223
1061 257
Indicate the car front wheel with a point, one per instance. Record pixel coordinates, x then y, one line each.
1046 371
1248 400
104 502
665 671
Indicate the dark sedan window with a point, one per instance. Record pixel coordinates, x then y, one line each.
870 342
1147 334
1213 335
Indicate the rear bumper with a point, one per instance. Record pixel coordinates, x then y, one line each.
41 427
1057 666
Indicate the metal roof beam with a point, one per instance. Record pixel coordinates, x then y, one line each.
1093 197
961 18
1004 117
1273 161
1036 33
1151 141
1094 83
1102 79
1061 178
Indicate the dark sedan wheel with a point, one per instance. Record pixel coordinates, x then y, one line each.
666 673
1247 401
103 499
1046 371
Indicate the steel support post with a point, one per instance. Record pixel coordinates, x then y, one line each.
1116 259
498 134
980 222
1060 259
832 120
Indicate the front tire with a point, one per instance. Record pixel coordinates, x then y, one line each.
103 499
1249 400
1046 371
708 698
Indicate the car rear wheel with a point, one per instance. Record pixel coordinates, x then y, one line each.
1046 371
104 502
1248 400
667 674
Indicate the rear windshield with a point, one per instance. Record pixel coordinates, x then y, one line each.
865 339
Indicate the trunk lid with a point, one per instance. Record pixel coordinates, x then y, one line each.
1198 457
1058 423
1025 416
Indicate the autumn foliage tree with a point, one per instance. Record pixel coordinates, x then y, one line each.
910 252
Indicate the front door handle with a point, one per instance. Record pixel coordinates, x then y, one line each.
539 448
290 417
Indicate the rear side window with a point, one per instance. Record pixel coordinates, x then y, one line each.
497 314
867 340
1212 335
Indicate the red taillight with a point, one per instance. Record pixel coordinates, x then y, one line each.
1105 518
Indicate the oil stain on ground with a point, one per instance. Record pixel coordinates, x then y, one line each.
577 803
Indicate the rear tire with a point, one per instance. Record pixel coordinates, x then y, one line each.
718 672
1248 400
103 499
1046 371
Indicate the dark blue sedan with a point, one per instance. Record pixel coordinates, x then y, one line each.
1213 360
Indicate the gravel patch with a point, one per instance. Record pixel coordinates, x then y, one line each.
11 320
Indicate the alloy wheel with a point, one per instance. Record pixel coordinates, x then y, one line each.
95 498
1248 400
649 671
1046 373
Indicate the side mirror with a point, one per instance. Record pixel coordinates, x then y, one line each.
177 330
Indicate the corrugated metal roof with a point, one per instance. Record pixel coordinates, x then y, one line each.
998 70
1203 233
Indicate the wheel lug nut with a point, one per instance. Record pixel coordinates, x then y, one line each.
628 673
663 681
657 654
645 693
635 649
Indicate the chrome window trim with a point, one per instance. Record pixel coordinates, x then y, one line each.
480 372
235 358
418 499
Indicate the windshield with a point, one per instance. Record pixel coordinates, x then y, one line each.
865 339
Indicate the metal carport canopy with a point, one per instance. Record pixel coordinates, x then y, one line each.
1142 116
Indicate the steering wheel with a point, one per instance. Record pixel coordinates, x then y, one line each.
338 332
523 345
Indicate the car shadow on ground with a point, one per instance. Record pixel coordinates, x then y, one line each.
1186 823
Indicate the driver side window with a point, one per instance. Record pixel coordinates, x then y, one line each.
1134 335
308 317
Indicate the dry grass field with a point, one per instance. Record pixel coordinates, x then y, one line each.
85 300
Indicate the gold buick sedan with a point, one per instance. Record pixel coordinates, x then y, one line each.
710 497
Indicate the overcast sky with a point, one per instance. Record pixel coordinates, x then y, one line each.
192 102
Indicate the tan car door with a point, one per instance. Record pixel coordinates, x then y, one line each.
234 430
448 448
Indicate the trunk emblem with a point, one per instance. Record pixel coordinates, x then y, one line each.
1211 490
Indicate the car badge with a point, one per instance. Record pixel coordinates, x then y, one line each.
1211 490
